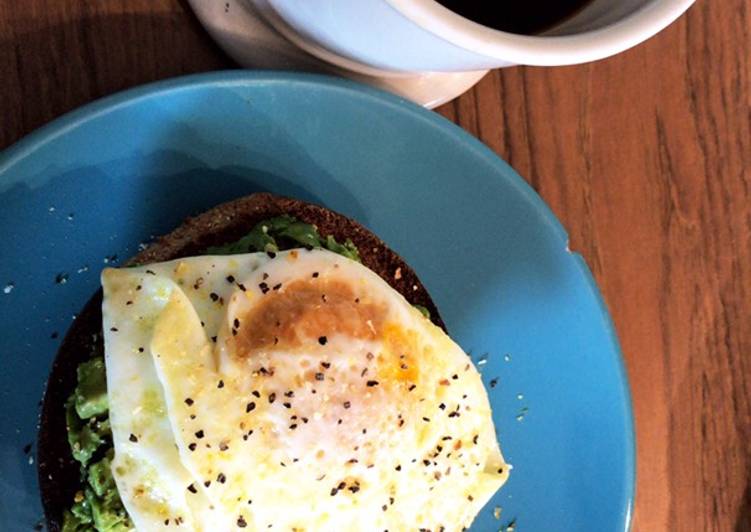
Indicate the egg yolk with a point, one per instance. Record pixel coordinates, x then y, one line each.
305 312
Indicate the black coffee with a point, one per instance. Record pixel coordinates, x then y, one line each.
526 17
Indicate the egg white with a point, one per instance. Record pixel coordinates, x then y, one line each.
151 480
377 421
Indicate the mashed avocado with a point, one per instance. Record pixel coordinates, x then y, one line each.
97 506
285 232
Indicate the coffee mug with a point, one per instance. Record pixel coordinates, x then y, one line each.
424 36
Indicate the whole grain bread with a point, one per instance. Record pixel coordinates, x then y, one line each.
58 472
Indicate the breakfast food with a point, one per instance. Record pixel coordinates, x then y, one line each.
273 383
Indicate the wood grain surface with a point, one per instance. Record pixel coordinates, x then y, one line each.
645 157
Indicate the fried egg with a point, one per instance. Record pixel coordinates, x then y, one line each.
294 392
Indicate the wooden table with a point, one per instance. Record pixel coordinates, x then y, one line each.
645 157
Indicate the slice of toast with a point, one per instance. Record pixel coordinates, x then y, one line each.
228 222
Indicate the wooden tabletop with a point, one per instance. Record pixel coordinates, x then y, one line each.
645 157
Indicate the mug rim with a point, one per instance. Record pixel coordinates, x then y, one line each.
543 50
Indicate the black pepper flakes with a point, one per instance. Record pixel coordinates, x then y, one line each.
315 275
272 397
241 522
319 376
289 393
322 340
220 384
230 279
221 478
412 387
140 349
474 439
133 438
370 384
326 365
250 407
192 489
192 446
223 446
189 401
264 287
276 286
214 296
256 394
442 406
494 382
199 434
347 404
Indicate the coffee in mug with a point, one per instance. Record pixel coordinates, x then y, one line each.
524 17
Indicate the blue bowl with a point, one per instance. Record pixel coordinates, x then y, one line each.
88 189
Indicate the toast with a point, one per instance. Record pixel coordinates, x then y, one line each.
228 222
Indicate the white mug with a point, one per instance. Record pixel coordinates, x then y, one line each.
401 36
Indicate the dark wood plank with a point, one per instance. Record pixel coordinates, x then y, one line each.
56 55
645 157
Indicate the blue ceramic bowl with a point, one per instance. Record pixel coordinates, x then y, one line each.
87 189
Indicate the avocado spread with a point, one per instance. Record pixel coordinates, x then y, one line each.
97 505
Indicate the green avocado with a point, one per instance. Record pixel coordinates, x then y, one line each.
91 392
84 436
285 232
106 507
79 518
